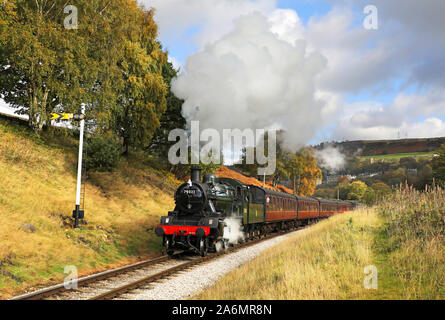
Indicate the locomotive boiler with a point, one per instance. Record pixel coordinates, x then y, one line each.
198 220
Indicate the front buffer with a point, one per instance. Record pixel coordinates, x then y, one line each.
189 234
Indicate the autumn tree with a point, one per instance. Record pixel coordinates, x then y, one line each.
310 173
111 63
299 168
439 166
32 57
343 181
381 189
357 190
7 15
142 99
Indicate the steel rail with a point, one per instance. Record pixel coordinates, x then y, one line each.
162 274
59 288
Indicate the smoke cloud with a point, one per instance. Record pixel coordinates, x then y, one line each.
251 78
330 158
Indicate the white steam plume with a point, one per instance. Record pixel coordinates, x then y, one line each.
251 78
233 231
330 158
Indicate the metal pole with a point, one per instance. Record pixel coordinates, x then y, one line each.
79 169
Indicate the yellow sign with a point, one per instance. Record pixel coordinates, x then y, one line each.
61 116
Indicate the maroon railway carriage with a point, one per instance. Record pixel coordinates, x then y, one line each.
280 206
308 208
328 208
344 206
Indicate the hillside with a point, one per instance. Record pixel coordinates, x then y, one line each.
37 194
386 147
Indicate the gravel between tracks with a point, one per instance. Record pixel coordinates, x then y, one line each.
189 283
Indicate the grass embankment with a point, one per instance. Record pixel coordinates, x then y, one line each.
37 187
410 246
403 239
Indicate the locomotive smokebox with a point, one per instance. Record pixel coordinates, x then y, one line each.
196 174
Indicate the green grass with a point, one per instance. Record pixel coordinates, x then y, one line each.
410 245
400 155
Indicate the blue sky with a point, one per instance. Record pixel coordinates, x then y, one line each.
306 8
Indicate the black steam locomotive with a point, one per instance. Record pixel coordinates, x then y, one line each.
213 213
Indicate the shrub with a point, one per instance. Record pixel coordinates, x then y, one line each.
103 154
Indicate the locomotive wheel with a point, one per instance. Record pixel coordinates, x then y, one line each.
170 251
203 246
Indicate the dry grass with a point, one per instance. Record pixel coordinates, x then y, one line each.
403 237
323 262
37 186
411 245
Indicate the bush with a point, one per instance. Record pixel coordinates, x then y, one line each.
103 154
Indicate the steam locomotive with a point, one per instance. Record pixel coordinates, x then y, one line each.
211 214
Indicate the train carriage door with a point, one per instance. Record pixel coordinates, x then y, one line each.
246 208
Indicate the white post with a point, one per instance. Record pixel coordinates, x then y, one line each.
79 169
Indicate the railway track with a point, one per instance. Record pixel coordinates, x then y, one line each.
114 283
81 282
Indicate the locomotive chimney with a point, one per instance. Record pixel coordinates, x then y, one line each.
196 174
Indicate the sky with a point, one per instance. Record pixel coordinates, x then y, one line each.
309 67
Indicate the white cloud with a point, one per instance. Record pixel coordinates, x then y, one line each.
287 25
213 18
429 128
400 119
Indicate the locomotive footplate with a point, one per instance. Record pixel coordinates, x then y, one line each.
182 230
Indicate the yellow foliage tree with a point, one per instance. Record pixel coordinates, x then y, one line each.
308 172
